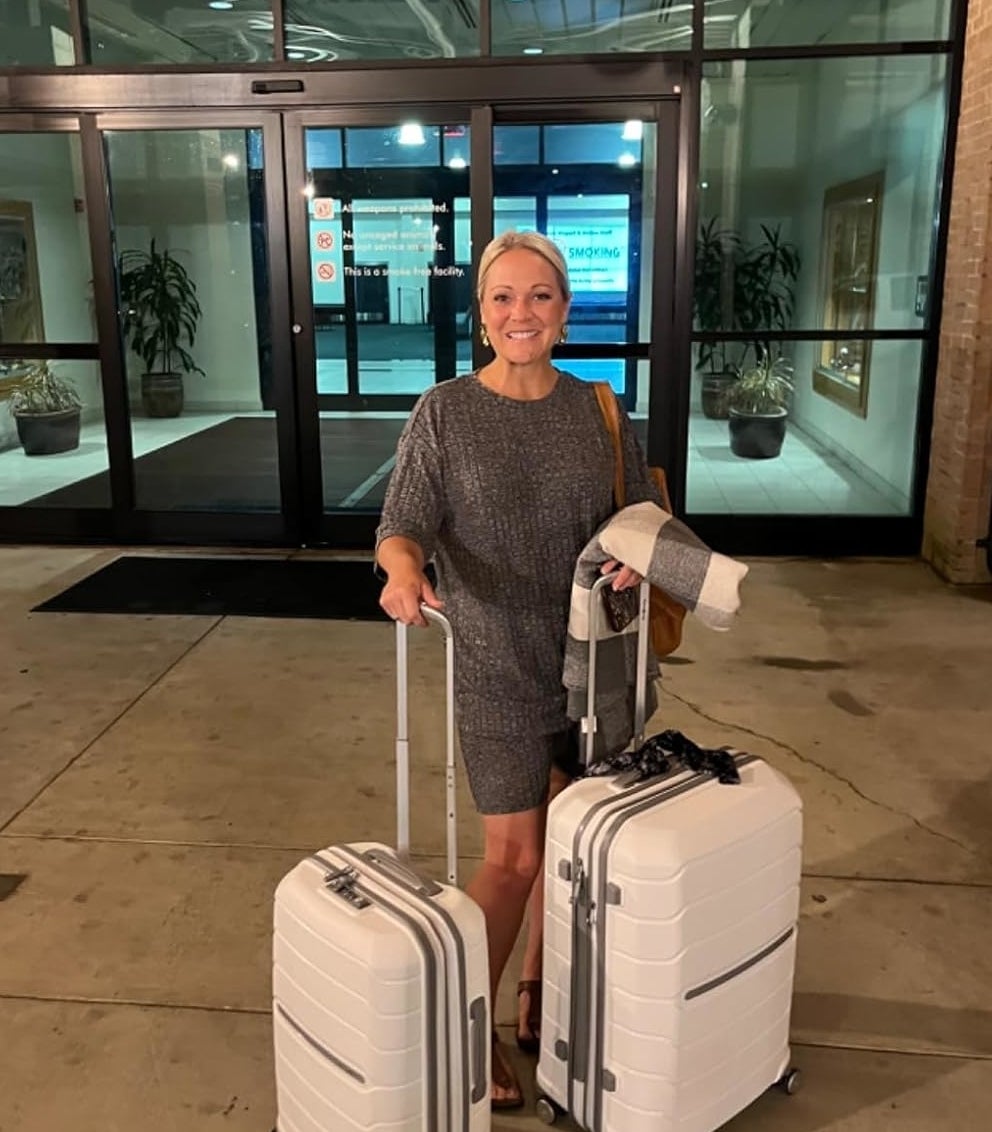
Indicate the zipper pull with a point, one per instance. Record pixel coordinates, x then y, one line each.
578 896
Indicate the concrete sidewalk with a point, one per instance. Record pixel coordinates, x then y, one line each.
158 775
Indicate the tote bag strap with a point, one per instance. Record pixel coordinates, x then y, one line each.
611 418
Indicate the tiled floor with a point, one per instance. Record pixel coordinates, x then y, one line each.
805 479
158 775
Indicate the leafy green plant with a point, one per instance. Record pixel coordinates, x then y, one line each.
42 391
764 387
161 310
741 286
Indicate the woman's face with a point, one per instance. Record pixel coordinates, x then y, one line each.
523 308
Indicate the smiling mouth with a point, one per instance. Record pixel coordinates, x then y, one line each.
522 333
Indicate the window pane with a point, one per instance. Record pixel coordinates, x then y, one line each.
516 145
409 145
831 461
180 31
784 147
756 23
327 30
187 208
590 26
45 273
54 462
36 35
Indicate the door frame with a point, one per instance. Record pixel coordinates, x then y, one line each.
339 529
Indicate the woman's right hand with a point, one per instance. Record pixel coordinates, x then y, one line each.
403 594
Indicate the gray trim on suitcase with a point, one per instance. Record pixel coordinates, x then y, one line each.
423 892
319 1046
705 988
430 976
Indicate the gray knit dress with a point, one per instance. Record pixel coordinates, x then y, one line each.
502 495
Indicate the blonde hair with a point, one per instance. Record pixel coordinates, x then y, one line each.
533 242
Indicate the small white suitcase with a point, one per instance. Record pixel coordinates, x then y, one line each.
671 912
380 981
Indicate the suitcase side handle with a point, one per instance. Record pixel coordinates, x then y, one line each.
403 740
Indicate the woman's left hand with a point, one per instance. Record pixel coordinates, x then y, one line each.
626 579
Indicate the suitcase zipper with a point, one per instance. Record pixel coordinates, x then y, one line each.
324 1052
619 819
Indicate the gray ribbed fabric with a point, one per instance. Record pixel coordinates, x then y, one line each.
503 495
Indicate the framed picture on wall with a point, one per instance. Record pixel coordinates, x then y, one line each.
848 279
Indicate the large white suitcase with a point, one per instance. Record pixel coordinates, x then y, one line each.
380 981
670 936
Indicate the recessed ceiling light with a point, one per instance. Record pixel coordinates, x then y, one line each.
296 54
633 130
533 50
457 163
626 160
412 133
220 5
231 160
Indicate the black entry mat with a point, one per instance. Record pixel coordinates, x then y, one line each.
332 589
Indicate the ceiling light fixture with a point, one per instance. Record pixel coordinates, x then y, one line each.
220 5
626 160
533 50
412 133
633 130
457 163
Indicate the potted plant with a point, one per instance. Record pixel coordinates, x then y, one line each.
739 286
758 404
160 317
46 409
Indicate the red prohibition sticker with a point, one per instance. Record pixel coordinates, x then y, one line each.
324 241
326 272
323 208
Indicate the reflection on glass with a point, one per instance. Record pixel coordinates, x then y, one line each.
53 446
182 31
831 462
36 35
554 28
45 273
756 23
776 137
189 211
324 33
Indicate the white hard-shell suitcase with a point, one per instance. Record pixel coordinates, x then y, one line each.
380 979
671 911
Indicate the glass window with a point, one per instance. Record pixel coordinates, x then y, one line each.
408 145
181 31
386 29
516 145
781 140
45 276
758 23
189 223
551 27
324 149
815 458
609 143
36 35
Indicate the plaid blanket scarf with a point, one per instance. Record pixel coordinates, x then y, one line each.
670 557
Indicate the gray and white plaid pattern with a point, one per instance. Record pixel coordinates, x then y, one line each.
667 553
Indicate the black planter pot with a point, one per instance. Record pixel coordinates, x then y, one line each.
162 394
44 434
714 395
757 437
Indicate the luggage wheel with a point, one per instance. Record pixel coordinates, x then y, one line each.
790 1081
547 1111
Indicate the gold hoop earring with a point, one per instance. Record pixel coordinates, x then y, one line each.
484 337
563 336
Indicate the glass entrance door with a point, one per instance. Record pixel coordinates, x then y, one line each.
388 218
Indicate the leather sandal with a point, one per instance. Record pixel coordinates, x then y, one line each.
504 1078
530 1042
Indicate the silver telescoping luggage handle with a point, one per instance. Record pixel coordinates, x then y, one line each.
403 741
641 677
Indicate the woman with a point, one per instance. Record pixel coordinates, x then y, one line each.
502 476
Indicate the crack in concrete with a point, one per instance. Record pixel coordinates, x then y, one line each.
825 769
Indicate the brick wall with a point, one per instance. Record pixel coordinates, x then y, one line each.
960 477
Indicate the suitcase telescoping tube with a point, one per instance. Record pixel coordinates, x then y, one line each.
380 980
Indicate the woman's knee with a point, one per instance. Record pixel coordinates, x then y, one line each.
515 844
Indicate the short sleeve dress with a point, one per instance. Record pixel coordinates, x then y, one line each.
502 495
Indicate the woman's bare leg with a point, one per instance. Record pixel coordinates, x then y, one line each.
533 952
514 847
